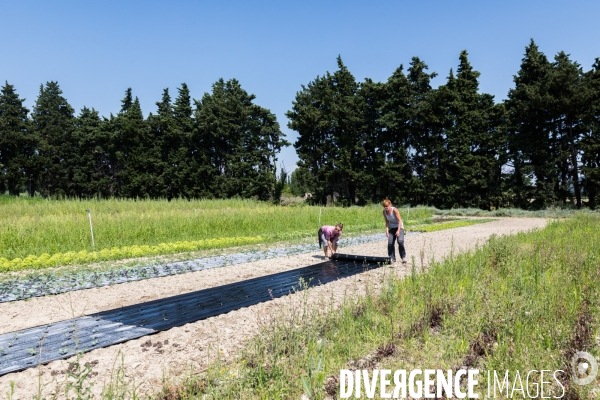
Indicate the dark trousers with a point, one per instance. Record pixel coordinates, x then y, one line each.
391 246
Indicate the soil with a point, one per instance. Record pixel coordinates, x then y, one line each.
192 347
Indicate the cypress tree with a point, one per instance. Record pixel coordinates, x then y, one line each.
348 137
91 173
532 144
331 143
425 133
590 141
473 169
162 131
135 152
54 123
371 156
311 116
180 163
16 142
240 142
569 103
397 173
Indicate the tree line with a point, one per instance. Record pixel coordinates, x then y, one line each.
221 146
452 146
358 142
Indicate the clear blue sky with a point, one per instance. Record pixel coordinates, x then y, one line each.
97 49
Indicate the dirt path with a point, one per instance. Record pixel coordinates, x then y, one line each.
197 344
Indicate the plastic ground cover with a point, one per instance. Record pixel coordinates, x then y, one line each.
48 283
39 345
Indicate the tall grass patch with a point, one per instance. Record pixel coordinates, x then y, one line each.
519 303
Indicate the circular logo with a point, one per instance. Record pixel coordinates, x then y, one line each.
584 372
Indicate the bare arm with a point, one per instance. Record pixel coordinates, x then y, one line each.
400 223
387 225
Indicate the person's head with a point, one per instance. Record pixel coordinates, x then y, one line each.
339 227
387 203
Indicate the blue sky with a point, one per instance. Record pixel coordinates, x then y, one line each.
97 49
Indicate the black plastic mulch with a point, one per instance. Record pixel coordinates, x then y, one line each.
29 347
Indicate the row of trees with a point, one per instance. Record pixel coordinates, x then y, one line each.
452 146
222 146
358 142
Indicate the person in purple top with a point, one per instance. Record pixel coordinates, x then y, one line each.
329 236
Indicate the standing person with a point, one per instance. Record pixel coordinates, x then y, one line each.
394 230
329 236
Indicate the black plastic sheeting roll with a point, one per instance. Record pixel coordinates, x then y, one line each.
29 347
358 258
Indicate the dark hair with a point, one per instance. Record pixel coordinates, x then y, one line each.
340 225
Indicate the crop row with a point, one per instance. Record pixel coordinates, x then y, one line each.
81 257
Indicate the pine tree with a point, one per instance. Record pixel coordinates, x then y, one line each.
16 142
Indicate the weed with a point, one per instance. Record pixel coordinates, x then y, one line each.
314 367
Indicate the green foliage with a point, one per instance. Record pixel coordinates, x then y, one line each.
472 164
358 142
54 124
16 142
590 142
239 142
226 147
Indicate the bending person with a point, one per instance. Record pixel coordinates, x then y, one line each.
329 236
394 230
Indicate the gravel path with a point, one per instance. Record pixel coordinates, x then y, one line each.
173 352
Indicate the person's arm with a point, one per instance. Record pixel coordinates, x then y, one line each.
387 225
400 223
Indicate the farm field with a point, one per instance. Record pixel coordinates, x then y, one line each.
38 234
198 346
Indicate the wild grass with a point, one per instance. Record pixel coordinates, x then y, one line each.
519 303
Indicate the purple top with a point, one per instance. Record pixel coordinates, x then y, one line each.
330 233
